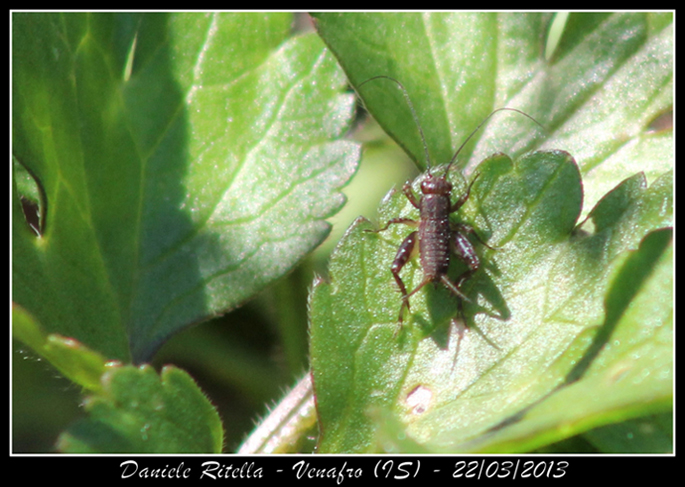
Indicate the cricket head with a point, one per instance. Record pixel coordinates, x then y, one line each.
436 184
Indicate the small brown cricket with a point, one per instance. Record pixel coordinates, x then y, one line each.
437 236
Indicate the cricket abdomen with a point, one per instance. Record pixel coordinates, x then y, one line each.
434 235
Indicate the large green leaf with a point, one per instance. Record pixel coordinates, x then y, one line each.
551 318
185 161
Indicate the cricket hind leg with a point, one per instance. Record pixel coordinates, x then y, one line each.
464 250
406 250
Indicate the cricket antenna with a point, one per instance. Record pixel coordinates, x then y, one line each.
413 114
454 157
418 124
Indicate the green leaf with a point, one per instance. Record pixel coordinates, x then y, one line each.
186 161
141 412
626 372
536 309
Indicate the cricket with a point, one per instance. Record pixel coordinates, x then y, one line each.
437 237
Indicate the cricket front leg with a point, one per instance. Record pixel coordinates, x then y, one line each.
409 193
460 202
